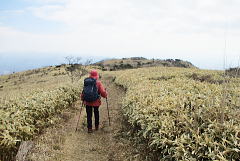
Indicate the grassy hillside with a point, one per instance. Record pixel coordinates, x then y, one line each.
182 114
173 113
137 62
30 101
27 81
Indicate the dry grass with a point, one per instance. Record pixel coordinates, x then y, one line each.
17 84
48 145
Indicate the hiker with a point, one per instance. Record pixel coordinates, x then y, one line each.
91 96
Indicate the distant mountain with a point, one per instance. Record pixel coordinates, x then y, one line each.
11 63
137 62
16 63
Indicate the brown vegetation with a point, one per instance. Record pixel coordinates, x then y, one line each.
138 62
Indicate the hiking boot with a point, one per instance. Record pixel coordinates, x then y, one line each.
90 130
96 128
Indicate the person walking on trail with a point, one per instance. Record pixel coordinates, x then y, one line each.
93 90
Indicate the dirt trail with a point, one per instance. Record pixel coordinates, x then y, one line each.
101 145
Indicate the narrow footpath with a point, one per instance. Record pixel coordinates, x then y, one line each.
99 145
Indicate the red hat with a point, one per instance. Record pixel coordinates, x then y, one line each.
94 74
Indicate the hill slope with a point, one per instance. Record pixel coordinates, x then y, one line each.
138 62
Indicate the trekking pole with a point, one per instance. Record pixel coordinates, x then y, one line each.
108 112
79 116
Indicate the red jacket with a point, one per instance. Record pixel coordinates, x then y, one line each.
101 90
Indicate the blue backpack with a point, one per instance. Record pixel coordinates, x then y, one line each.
90 90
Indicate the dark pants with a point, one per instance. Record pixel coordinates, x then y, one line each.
89 110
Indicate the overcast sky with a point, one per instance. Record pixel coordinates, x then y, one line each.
193 30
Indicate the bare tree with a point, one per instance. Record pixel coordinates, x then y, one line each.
88 62
76 68
70 60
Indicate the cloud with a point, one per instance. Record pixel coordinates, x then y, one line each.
168 16
47 1
12 12
46 11
12 40
155 28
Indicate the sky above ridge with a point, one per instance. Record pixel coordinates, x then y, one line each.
200 31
